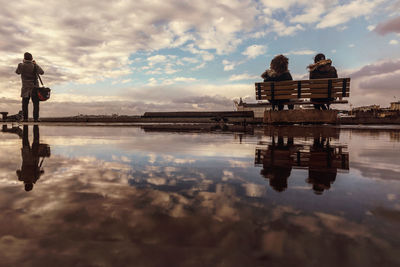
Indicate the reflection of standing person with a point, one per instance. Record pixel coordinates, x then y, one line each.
321 173
278 71
28 71
322 69
277 164
30 170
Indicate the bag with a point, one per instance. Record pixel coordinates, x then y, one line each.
44 150
43 93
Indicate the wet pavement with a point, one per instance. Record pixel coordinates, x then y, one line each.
201 196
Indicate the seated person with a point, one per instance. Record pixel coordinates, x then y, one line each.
278 72
321 69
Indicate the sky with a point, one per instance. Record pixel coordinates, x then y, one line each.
128 57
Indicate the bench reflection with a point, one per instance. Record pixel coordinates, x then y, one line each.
301 148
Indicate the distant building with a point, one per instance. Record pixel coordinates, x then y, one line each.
261 107
257 108
366 108
395 105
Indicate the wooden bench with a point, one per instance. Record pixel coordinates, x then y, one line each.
302 91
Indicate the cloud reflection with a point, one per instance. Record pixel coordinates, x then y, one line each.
163 212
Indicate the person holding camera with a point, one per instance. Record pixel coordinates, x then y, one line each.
29 71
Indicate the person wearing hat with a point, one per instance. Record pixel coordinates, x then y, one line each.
28 70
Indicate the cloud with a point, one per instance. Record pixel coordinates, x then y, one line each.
343 13
386 84
313 12
230 65
156 59
200 66
389 26
284 30
118 203
285 5
190 60
93 41
206 56
301 52
179 80
244 76
393 42
186 94
254 51
375 83
377 68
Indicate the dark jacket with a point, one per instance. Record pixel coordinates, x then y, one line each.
272 76
28 77
322 70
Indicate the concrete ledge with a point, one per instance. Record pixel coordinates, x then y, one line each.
300 116
200 114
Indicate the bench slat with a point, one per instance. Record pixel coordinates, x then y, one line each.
309 91
294 86
283 97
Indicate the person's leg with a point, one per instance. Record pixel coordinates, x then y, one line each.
36 134
280 106
291 107
25 139
35 101
316 106
25 102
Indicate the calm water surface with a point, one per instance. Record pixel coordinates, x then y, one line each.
157 196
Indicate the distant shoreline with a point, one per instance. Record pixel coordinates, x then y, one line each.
219 117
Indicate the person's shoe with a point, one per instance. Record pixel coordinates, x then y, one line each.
36 120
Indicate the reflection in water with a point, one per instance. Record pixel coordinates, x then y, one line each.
306 148
130 197
32 156
277 162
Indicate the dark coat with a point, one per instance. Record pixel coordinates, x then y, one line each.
28 77
272 76
322 70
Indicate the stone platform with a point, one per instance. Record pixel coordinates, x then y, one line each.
300 116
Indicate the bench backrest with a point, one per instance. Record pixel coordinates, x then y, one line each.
318 88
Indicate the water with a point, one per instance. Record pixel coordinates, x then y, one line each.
157 196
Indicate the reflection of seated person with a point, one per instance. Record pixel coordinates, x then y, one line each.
277 164
321 173
30 170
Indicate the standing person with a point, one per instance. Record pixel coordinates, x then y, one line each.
278 71
28 70
321 69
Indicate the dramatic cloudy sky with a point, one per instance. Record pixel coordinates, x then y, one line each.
103 57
